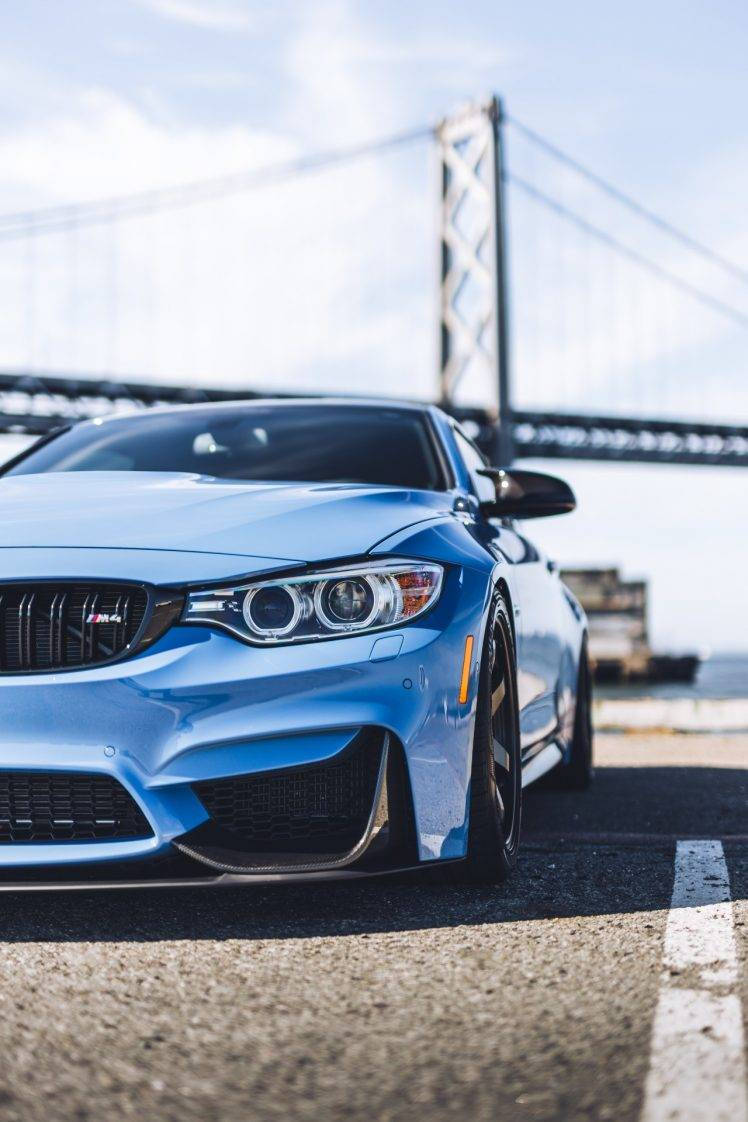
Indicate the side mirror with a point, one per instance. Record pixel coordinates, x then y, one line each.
527 494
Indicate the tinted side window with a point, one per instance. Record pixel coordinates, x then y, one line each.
473 460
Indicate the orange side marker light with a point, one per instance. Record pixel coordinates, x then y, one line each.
464 680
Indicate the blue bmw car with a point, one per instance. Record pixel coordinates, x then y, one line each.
286 639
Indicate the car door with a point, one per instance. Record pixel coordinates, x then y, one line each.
535 584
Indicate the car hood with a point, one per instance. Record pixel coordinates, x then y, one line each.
194 514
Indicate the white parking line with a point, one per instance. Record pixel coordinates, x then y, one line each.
697 1070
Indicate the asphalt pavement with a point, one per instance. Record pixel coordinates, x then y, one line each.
381 1000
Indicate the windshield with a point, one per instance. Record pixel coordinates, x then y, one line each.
283 443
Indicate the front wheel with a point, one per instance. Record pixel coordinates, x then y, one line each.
496 778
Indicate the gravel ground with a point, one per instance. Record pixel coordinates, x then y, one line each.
378 1000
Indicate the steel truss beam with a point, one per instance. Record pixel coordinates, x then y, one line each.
620 439
35 404
579 437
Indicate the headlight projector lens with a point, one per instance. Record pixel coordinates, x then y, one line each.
347 601
274 610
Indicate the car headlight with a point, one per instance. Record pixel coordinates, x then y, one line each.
323 605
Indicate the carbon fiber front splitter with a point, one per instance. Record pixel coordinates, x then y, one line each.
222 880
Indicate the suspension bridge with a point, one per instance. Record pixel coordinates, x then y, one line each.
472 262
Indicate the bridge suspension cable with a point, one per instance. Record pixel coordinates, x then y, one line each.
115 208
620 196
705 298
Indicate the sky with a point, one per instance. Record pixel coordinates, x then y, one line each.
330 282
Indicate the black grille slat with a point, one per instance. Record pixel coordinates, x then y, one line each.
38 806
328 802
30 653
50 626
125 613
57 628
24 638
118 609
88 604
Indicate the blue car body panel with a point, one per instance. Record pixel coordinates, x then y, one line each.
188 513
200 704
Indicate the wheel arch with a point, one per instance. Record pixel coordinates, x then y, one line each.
502 587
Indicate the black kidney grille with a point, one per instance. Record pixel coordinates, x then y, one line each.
53 626
330 801
39 806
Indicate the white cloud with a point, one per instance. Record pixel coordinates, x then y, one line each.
323 281
325 60
208 14
101 144
357 78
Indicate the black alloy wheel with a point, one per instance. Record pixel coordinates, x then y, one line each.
496 779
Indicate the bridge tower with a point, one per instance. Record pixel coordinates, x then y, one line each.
474 358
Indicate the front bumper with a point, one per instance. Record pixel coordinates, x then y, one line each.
202 705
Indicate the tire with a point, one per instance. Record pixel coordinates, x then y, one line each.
576 774
496 781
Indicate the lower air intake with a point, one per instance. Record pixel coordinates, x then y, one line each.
58 806
317 816
328 802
